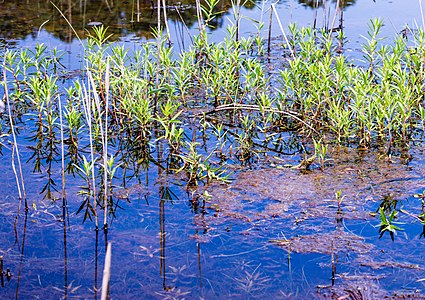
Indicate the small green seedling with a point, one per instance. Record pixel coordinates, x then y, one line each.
387 223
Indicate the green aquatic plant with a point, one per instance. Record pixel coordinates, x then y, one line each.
107 187
169 119
98 36
222 136
370 48
198 168
85 170
388 203
339 197
209 12
73 130
387 223
321 150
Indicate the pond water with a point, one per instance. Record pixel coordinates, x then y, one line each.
272 232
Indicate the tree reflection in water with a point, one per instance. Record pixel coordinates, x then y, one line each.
319 3
21 19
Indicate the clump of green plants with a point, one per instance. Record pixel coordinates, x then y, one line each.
364 106
197 167
212 106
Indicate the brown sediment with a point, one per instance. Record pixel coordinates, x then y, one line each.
321 243
289 193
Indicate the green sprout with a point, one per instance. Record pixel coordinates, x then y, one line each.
387 223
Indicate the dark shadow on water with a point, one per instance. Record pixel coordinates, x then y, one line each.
321 3
22 19
25 19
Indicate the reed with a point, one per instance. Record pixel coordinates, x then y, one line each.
106 273
20 183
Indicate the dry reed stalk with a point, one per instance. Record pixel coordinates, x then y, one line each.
237 7
282 30
62 148
158 62
64 202
106 273
269 37
324 15
315 14
199 16
20 184
334 20
87 112
164 10
70 25
184 24
105 145
103 138
337 9
108 5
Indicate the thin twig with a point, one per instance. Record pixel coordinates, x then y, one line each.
256 108
102 134
184 23
70 25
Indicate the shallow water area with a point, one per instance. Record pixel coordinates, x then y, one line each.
268 227
275 230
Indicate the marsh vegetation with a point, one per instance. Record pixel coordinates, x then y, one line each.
247 132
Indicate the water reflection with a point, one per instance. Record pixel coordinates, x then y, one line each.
22 254
4 273
22 19
319 3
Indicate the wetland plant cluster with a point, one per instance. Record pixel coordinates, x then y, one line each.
196 114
